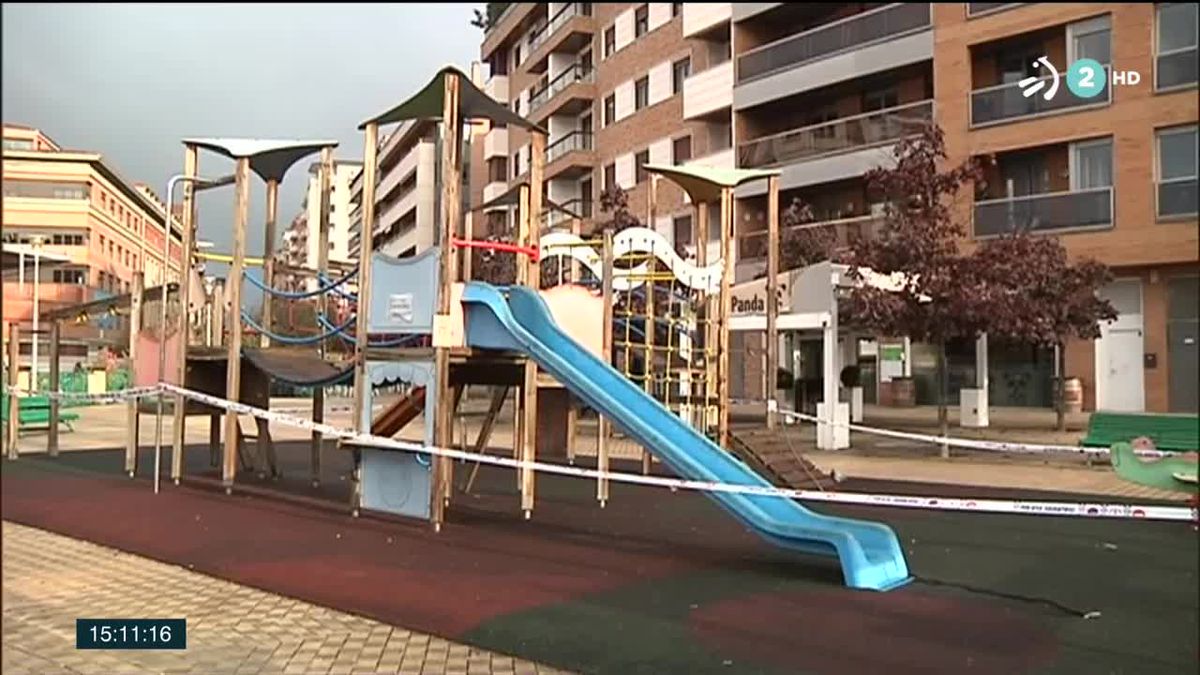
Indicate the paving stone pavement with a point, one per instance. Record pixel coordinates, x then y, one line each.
51 580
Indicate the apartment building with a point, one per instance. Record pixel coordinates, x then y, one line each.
618 85
300 239
824 91
80 208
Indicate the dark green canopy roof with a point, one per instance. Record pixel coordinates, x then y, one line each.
473 104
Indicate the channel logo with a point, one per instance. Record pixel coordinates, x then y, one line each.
1032 85
1086 78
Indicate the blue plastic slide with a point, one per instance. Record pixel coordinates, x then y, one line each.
869 553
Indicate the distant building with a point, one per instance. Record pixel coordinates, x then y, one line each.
301 239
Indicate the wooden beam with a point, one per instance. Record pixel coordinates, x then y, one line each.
131 406
190 167
318 394
703 313
366 241
443 419
723 317
537 173
14 405
55 404
772 299
602 425
485 432
269 258
649 325
233 373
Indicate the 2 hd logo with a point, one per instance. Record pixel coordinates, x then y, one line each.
1086 78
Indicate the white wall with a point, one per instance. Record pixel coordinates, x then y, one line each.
426 189
624 93
660 82
559 61
624 25
660 13
563 190
660 151
559 126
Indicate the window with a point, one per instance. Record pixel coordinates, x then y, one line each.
38 189
1091 164
1175 60
497 170
681 150
1091 39
683 231
880 100
610 109
516 55
640 161
1177 171
66 239
516 164
18 144
719 52
680 71
610 177
78 277
641 21
610 41
676 9
641 93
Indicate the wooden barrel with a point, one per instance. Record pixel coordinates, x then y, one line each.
1073 395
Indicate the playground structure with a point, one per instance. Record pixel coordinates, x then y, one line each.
423 321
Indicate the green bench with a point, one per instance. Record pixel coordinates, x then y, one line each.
34 411
1180 433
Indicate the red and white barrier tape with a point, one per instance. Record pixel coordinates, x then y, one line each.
970 443
1092 510
106 397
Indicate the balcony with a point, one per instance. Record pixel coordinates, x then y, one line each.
700 17
851 33
497 88
568 211
568 30
494 190
708 91
1005 103
1074 209
575 74
399 173
975 9
752 246
495 143
394 212
842 135
1177 198
570 156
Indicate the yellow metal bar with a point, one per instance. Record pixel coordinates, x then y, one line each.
221 257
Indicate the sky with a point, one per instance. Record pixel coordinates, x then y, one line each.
131 80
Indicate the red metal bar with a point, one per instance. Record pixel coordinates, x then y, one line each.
531 251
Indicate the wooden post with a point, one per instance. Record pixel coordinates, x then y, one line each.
131 410
14 404
233 373
55 404
190 167
723 317
602 422
366 243
772 300
649 326
704 328
537 172
269 258
443 418
318 394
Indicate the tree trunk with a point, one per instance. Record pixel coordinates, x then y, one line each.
1060 388
943 386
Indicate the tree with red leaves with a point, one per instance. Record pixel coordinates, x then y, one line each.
1035 295
801 244
937 300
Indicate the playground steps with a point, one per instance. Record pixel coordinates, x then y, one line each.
1180 433
778 463
400 413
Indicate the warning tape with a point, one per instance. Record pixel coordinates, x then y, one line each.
970 443
1093 510
107 397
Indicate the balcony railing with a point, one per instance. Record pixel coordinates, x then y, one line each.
975 9
838 136
1006 102
566 13
576 140
753 245
559 217
1043 212
852 32
1177 197
573 74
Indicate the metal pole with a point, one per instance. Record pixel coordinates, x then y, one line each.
34 339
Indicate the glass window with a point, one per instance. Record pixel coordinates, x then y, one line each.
1093 164
640 161
1091 39
879 100
676 9
1175 62
681 150
680 72
641 21
610 41
610 109
641 93
610 177
683 231
38 189
1178 183
18 144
